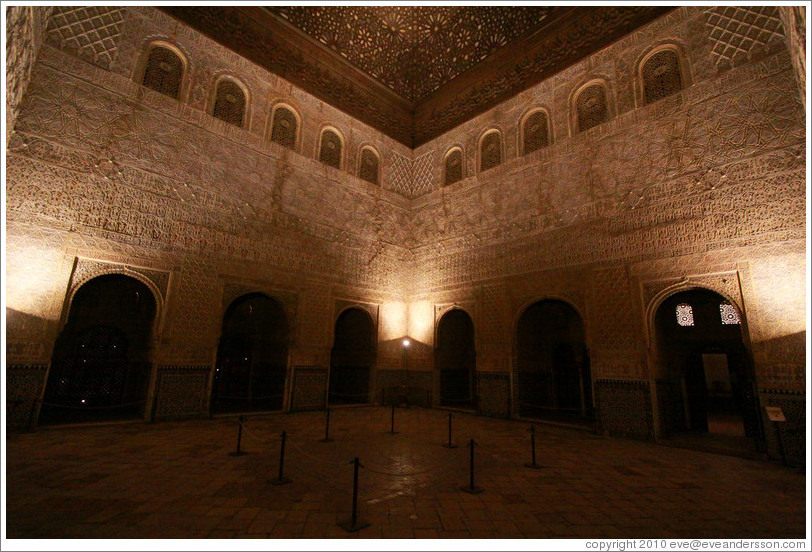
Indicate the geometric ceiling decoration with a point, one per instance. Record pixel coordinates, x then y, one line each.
415 72
414 50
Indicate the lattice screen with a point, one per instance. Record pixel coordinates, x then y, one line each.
591 106
661 75
330 151
369 166
536 134
491 152
284 128
164 72
229 104
453 167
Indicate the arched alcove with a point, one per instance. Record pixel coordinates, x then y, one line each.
455 360
352 358
252 356
102 360
553 374
705 381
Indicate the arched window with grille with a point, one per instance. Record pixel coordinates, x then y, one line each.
284 127
661 75
591 106
453 167
229 102
490 150
535 132
163 71
330 147
369 166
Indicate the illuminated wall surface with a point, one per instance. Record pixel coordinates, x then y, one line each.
703 188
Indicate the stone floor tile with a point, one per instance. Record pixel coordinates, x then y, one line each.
177 479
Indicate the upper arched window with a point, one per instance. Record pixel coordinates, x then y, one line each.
685 314
661 75
490 150
535 132
368 168
229 102
453 167
728 313
163 71
591 107
284 127
330 147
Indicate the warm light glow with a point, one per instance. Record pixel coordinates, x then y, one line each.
393 321
406 342
32 286
421 321
779 290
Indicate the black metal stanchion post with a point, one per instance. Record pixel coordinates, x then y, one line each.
32 420
327 429
281 480
449 444
239 452
353 524
777 426
472 489
392 424
533 447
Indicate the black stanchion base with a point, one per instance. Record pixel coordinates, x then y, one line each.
534 466
449 445
237 453
283 481
349 527
472 490
393 432
325 440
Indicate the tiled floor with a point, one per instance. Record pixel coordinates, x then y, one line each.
181 480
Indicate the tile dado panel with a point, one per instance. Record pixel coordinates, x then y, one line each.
181 392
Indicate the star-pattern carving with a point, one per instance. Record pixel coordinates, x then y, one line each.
65 111
414 50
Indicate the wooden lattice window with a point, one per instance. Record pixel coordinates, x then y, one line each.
330 150
229 103
368 169
163 72
591 107
490 153
284 128
453 167
661 75
535 132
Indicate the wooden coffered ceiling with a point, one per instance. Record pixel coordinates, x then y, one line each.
415 72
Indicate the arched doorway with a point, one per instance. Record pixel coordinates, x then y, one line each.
553 374
352 358
101 365
705 367
455 360
252 356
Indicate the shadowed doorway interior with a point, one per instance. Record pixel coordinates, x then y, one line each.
552 364
455 360
101 365
252 356
351 358
706 386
